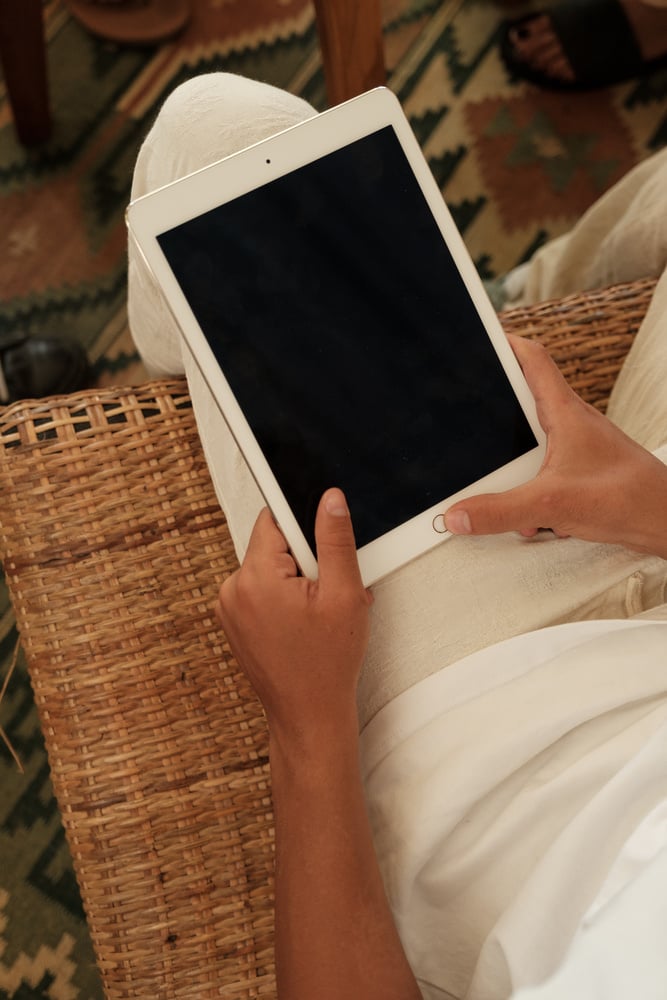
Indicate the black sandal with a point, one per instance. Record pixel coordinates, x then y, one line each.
597 39
33 367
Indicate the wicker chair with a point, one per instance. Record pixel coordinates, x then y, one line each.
114 546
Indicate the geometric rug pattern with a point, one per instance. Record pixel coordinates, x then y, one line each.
516 166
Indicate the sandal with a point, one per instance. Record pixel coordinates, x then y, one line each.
597 40
33 367
132 22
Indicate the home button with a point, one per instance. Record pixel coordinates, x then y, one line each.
439 524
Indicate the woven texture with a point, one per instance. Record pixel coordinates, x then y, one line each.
114 546
587 335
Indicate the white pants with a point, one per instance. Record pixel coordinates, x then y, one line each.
469 592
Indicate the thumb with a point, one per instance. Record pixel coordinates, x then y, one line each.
334 537
493 513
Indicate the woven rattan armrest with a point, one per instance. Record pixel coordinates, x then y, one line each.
588 335
114 545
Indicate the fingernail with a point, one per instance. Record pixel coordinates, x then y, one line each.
458 522
335 503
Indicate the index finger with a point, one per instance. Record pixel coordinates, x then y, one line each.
553 396
268 547
542 374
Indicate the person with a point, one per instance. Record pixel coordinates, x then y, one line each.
585 44
466 763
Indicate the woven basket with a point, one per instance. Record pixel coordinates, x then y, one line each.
114 547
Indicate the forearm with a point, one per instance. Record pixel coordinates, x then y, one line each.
335 935
302 644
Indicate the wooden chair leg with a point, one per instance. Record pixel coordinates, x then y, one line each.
23 58
350 33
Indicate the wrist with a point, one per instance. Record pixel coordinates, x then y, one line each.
314 748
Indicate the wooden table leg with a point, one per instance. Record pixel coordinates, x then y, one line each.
23 58
350 33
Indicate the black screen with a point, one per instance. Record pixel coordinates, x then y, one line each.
339 319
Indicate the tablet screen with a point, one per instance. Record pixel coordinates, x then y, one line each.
342 325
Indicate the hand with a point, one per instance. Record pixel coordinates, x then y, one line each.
300 642
595 483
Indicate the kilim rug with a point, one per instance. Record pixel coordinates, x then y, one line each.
515 164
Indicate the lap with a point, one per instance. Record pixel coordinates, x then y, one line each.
464 595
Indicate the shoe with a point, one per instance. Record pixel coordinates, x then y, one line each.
598 42
32 367
132 22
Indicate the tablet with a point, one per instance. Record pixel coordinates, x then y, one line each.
322 287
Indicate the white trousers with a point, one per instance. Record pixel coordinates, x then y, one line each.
469 592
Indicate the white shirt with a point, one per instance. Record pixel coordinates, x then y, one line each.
502 790
619 950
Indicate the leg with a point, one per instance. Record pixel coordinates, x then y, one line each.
462 596
638 402
23 58
622 237
209 117
204 120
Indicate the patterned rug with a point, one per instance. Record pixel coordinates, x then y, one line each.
516 166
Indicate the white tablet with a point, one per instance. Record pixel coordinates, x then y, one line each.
330 303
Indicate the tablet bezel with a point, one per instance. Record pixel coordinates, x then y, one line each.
176 203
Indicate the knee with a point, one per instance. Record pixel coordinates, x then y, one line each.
186 133
204 93
229 103
195 111
209 117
